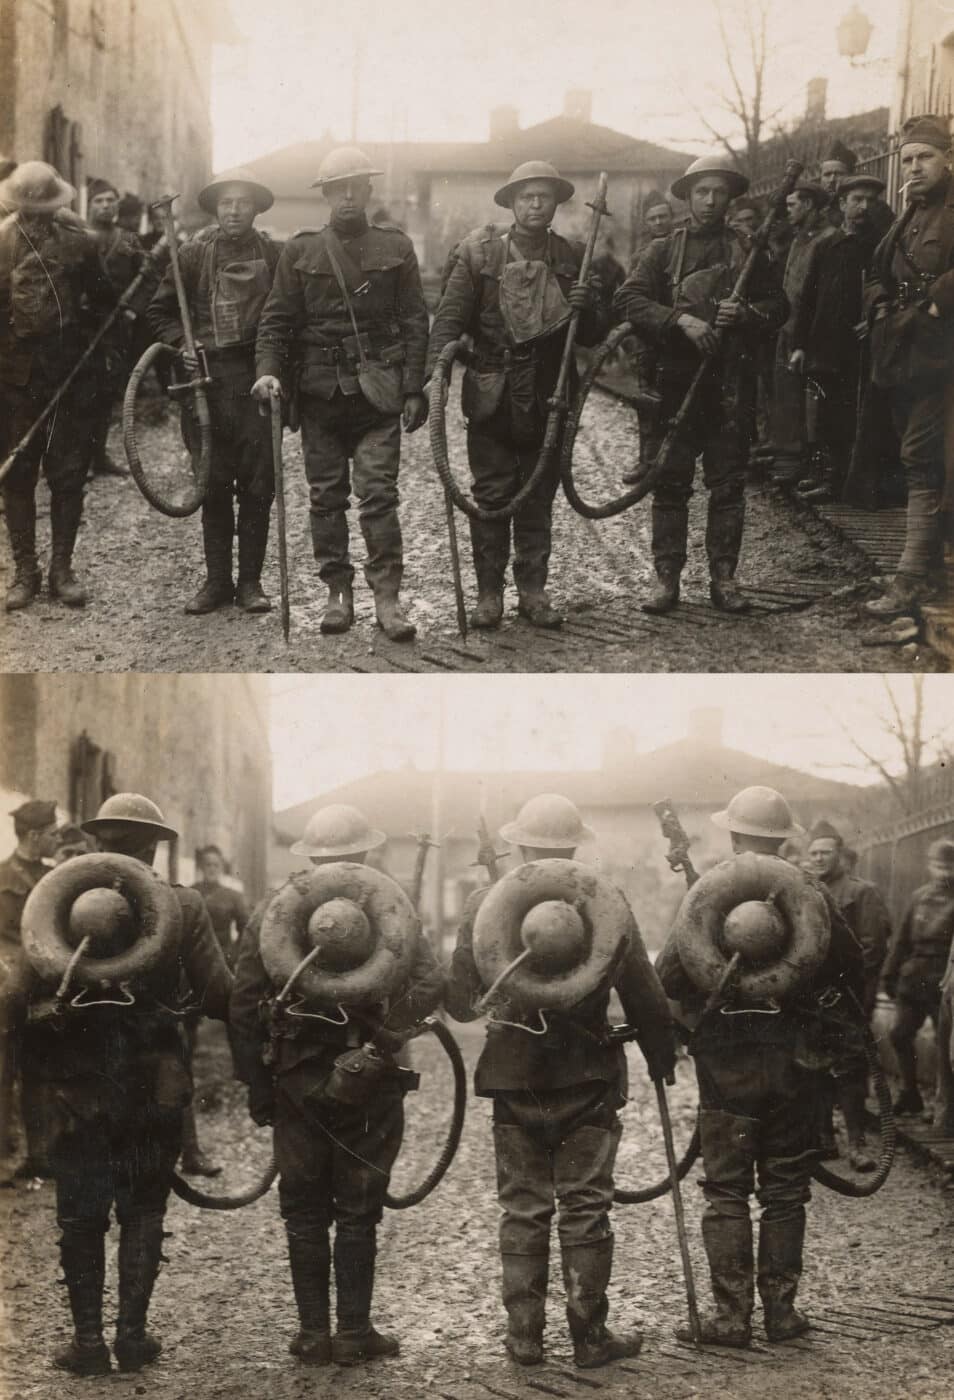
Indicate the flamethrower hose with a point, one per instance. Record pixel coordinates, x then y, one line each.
652 1193
188 1193
437 424
201 465
451 1142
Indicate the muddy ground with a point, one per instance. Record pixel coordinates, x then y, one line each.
223 1303
141 567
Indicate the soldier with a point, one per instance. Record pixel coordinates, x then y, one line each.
556 1131
108 1087
348 305
226 905
824 329
865 912
334 1160
910 303
916 965
227 278
806 214
757 1104
513 290
744 216
838 166
662 298
50 274
658 221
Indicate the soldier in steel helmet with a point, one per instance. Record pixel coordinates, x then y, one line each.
677 298
757 1067
334 1160
556 1131
916 966
51 279
910 306
107 1087
227 278
513 290
349 307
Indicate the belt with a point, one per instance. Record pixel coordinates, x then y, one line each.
503 358
338 355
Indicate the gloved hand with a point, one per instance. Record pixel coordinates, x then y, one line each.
582 298
660 1058
261 1104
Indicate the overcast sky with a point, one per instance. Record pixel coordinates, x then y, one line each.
329 729
431 70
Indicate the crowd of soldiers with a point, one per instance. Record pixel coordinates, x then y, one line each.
840 347
106 1084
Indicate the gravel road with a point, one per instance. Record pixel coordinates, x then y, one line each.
877 1281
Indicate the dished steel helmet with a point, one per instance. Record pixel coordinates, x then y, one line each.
534 170
338 830
547 822
343 163
130 809
710 165
942 852
210 195
759 811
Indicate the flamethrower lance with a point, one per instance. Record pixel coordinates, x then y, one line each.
276 411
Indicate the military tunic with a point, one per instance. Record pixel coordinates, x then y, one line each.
789 426
226 909
17 878
123 258
306 334
661 288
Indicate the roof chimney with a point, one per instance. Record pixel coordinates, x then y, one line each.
504 123
578 104
705 727
816 99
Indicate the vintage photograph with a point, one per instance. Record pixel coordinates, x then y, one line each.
597 1034
399 341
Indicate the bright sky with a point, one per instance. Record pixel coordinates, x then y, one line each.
431 70
329 729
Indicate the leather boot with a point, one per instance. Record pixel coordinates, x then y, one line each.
65 515
903 596
384 571
539 611
724 591
140 1254
392 619
218 527
728 1242
490 543
83 1257
253 522
666 596
309 1256
339 609
100 463
524 1291
489 610
20 510
356 1339
193 1161
780 1268
851 1094
586 1275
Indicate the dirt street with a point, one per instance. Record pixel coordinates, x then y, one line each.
877 1281
141 567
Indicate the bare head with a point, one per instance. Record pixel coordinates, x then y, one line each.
832 172
823 859
104 209
659 220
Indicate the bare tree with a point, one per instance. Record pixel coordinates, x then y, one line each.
903 721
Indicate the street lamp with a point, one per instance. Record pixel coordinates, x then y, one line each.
854 34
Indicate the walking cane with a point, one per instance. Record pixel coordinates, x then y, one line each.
276 409
664 1118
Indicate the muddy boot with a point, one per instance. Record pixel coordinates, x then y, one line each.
539 611
339 609
780 1269
851 1095
489 610
21 527
724 591
309 1256
384 571
728 1242
65 515
218 527
903 596
586 1275
524 1292
83 1257
140 1254
253 522
99 461
666 595
490 542
193 1161
356 1339
392 619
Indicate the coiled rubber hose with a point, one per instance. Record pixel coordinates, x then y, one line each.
200 467
652 1193
648 480
437 419
187 1192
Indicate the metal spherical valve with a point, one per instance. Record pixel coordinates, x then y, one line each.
322 904
707 935
555 934
568 908
755 929
131 914
341 930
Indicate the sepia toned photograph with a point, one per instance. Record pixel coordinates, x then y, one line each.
315 1075
417 341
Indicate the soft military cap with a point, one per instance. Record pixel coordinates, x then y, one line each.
860 182
928 130
35 814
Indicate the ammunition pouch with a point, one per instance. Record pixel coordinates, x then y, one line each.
359 1074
